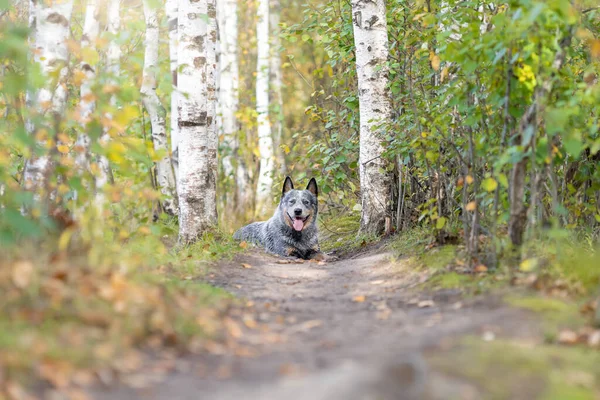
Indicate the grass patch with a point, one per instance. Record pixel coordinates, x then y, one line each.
68 304
504 369
555 313
339 233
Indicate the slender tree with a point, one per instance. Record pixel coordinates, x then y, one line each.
113 60
198 141
171 8
228 104
51 24
276 83
371 42
164 170
265 139
91 28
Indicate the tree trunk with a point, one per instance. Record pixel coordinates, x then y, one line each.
370 38
113 57
164 169
91 27
265 140
51 30
198 141
228 94
171 11
276 85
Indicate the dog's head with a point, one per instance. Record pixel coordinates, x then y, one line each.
299 207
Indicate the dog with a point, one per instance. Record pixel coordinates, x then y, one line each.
292 230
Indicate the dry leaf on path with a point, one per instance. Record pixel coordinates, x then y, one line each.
425 303
22 274
359 299
568 337
247 266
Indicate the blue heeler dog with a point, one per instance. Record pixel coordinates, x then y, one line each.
292 230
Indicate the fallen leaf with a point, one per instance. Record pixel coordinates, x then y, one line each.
594 339
243 244
377 282
233 328
568 337
22 273
246 265
359 299
481 268
425 303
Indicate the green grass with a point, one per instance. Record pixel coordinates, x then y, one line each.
339 233
504 369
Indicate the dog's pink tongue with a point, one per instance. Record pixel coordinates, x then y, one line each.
298 224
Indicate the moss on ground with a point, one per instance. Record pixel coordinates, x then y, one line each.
504 369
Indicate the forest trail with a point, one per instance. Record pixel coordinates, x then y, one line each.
356 328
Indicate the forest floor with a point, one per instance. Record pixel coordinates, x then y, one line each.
369 326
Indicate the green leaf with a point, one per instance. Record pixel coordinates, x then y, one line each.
440 223
489 184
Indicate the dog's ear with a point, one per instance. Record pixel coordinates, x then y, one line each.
287 185
312 187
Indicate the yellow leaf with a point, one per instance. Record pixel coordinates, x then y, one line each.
595 48
22 274
444 74
243 244
359 299
471 206
423 134
285 148
65 238
64 149
469 179
528 264
248 266
435 62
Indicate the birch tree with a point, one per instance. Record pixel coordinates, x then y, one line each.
276 83
156 111
171 8
265 140
198 141
229 85
113 58
51 22
371 42
91 28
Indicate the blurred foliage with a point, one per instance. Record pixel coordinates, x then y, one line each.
462 75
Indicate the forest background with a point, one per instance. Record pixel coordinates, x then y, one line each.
492 142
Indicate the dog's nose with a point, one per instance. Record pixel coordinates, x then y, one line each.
298 211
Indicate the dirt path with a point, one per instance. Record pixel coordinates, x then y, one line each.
352 329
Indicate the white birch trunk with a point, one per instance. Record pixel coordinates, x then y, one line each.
265 140
228 88
156 111
91 27
198 141
171 8
371 42
113 57
51 21
276 84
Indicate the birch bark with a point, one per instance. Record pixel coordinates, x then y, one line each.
171 8
156 111
276 84
113 58
91 27
229 83
371 42
51 30
196 184
265 140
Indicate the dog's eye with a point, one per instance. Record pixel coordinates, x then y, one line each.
292 201
305 202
